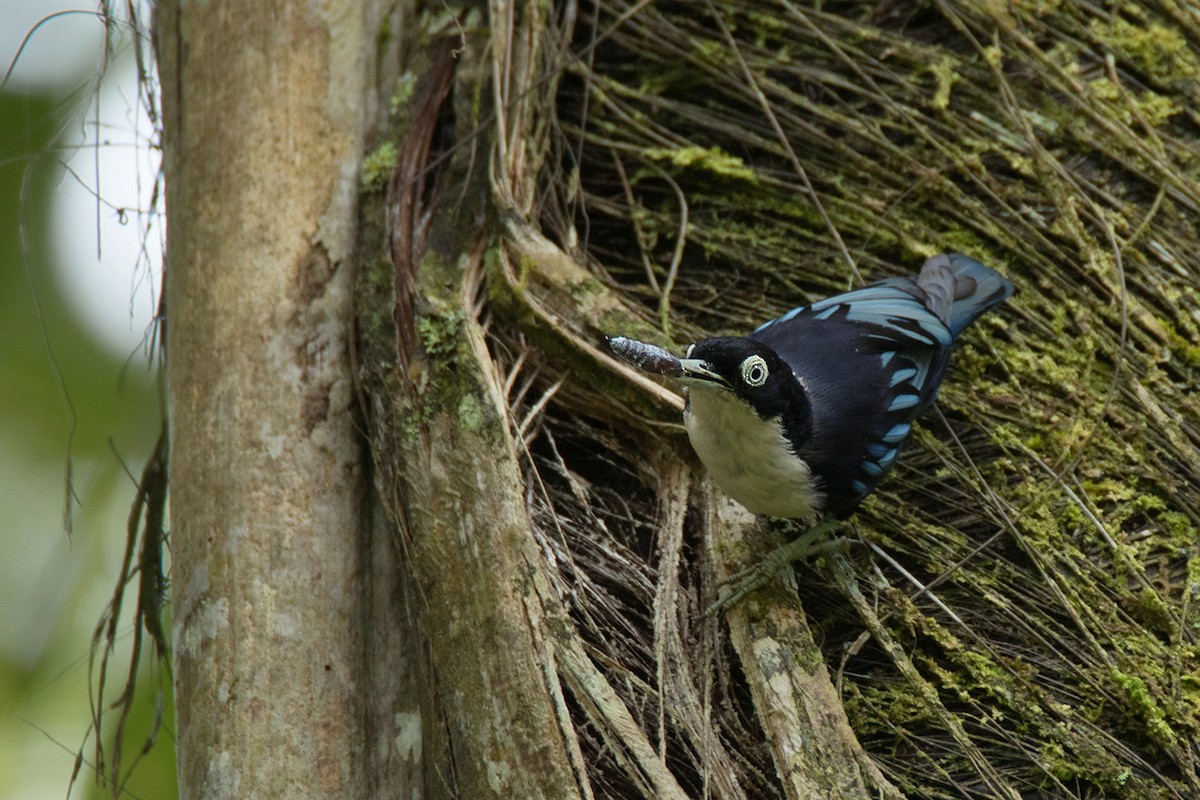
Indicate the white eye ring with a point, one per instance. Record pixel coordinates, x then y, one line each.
754 371
691 347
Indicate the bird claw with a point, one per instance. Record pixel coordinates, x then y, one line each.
755 577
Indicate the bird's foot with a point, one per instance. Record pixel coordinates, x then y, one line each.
748 580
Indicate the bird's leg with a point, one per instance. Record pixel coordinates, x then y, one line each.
747 580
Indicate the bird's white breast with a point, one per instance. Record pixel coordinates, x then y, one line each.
748 457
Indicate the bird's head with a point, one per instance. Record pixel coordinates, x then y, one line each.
748 369
746 415
727 365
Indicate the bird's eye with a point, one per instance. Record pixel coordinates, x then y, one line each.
691 347
754 371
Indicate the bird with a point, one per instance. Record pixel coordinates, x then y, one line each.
805 415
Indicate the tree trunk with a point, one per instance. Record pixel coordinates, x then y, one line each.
266 108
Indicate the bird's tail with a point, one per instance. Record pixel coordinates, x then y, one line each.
959 289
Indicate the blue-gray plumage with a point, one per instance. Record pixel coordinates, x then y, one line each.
806 414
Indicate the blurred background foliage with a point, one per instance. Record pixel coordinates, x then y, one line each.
78 418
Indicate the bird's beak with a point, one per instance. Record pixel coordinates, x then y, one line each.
653 359
697 371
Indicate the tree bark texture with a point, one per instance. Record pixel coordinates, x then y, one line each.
266 106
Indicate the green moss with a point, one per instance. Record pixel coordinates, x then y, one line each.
374 314
710 159
712 51
1178 526
1161 51
377 167
448 379
580 289
386 35
411 421
767 26
1070 754
1186 347
440 332
946 75
896 703
1150 106
1152 609
1145 704
405 85
470 413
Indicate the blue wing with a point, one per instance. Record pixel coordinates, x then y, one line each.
950 293
871 360
896 306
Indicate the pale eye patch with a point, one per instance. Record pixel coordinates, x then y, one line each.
754 371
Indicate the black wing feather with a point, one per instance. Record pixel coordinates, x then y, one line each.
871 360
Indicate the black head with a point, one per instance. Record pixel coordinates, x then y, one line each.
747 368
